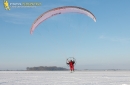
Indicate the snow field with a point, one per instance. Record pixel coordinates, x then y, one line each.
64 78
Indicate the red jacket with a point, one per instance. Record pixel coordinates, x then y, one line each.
71 63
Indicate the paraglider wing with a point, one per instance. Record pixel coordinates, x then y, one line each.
60 10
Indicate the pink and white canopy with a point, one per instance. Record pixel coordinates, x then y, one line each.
60 10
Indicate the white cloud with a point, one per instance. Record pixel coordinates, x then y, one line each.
14 22
102 37
120 39
115 39
16 17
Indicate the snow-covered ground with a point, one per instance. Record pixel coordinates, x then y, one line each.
64 78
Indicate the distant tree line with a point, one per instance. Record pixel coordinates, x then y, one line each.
46 68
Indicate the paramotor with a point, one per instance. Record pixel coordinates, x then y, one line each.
69 59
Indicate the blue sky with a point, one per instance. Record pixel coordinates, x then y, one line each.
101 45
